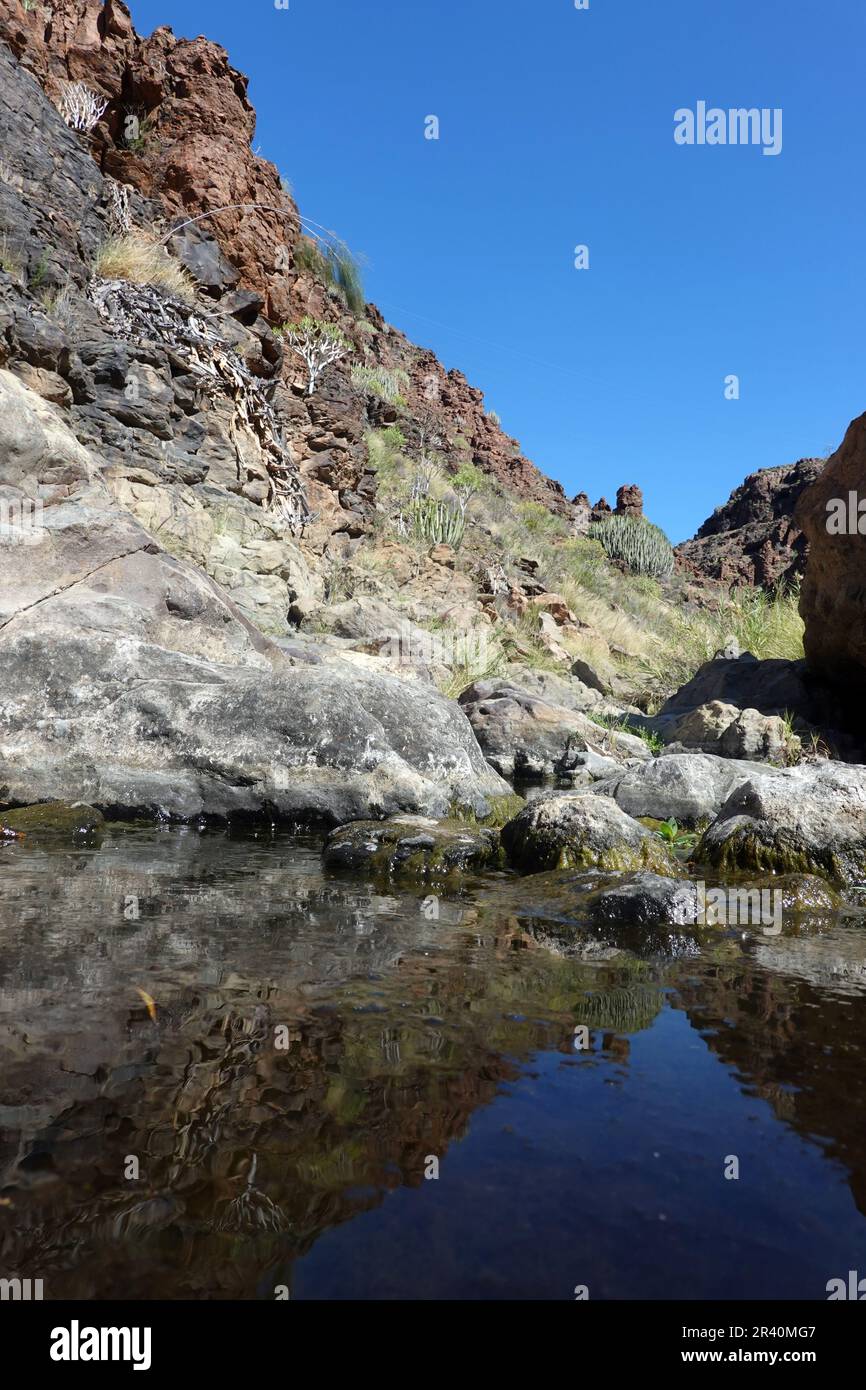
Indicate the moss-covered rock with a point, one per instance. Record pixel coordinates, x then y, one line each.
805 820
582 831
412 847
53 818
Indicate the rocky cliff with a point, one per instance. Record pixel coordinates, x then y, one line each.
752 538
191 154
832 513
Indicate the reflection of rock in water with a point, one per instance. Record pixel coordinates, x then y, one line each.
794 1030
395 1030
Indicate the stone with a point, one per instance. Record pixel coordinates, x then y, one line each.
685 787
525 736
646 900
52 818
412 847
832 598
809 819
754 538
720 728
572 830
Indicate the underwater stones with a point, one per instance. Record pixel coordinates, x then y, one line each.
52 818
581 831
647 899
412 847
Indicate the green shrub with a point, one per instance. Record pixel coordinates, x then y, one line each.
382 382
332 263
642 547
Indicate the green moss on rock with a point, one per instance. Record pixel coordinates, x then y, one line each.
413 848
53 818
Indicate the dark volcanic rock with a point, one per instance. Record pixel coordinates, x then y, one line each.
753 538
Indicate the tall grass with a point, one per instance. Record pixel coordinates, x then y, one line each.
766 624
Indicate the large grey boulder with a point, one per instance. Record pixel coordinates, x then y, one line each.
578 830
686 787
809 819
526 736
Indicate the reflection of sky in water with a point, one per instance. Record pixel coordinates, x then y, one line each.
409 1037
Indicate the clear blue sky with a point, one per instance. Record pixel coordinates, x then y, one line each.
557 130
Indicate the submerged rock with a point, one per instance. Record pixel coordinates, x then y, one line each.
53 818
809 820
412 847
646 900
581 831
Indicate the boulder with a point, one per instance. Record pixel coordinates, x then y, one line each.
129 679
581 831
809 819
525 736
833 599
685 787
733 733
646 900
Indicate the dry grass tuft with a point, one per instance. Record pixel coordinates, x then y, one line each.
137 257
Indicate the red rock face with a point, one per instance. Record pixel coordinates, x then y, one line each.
753 538
833 598
629 500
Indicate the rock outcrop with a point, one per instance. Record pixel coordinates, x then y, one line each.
753 538
832 514
129 679
191 155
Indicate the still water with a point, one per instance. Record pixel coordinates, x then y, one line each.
226 1075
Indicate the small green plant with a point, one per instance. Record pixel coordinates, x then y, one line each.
9 258
634 541
40 270
652 740
382 382
670 832
394 437
332 263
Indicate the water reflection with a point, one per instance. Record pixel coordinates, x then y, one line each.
316 1042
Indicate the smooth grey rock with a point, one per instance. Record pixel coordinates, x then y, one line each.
686 787
808 819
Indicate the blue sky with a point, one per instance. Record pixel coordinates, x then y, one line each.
556 129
